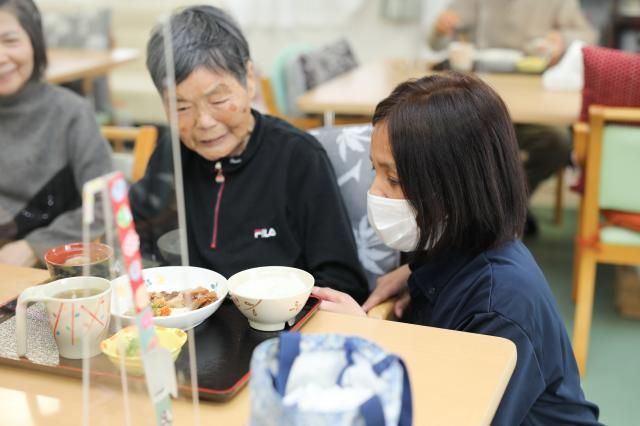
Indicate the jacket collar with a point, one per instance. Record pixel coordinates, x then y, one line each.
431 276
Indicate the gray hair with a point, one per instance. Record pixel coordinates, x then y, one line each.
202 36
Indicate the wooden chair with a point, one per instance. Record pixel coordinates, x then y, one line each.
611 155
383 311
559 197
144 140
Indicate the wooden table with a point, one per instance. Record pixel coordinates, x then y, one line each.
359 91
457 378
14 279
67 65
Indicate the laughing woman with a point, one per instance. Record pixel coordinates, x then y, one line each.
50 141
449 188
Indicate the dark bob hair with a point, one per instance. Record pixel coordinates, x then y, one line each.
28 15
201 36
457 160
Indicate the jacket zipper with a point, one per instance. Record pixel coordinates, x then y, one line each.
216 213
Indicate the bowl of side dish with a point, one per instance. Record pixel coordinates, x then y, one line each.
180 296
126 342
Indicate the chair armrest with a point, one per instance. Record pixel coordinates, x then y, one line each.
383 311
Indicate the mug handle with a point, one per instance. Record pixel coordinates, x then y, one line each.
29 295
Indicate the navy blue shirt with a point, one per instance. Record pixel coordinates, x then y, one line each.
502 292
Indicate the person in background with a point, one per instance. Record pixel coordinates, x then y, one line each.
548 26
257 191
51 145
449 188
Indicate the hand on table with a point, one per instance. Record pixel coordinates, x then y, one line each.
555 46
18 253
447 22
551 47
337 301
393 284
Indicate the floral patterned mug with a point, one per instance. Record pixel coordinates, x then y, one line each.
78 310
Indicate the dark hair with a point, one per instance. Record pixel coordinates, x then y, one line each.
201 36
457 160
28 15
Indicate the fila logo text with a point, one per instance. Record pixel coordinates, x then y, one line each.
264 233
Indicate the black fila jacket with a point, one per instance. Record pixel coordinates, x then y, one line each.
277 203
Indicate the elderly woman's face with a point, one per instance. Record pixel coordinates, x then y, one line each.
16 55
386 183
214 113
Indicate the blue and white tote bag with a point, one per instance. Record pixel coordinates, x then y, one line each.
327 380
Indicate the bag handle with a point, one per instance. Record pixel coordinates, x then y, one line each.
288 351
406 411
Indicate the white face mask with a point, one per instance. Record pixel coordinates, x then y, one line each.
394 221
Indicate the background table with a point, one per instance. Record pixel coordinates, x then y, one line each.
456 377
67 65
359 91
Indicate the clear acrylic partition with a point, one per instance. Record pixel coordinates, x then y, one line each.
148 388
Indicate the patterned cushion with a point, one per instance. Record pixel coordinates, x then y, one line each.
327 63
84 29
611 78
348 150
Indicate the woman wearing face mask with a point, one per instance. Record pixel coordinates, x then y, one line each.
449 188
50 142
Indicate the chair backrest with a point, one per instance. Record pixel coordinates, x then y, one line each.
620 168
144 140
280 81
611 166
299 69
611 78
88 29
348 150
327 62
83 29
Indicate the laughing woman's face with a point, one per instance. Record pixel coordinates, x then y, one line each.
16 55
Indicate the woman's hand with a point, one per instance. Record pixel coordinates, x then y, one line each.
337 301
393 284
555 45
18 253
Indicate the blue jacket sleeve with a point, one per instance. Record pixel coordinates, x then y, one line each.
527 381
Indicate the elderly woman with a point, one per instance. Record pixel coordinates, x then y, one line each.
51 144
257 190
449 189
